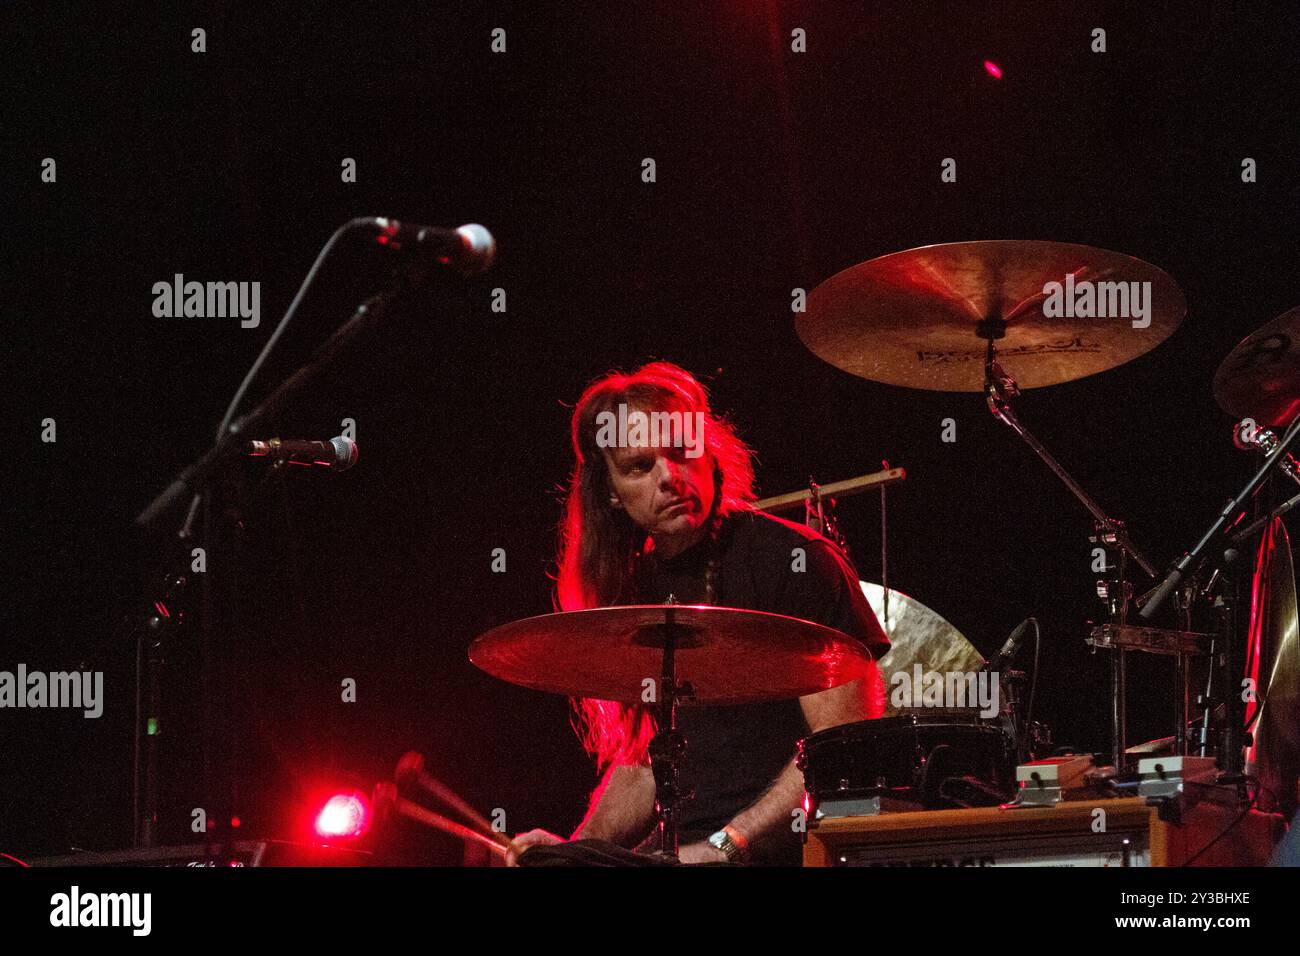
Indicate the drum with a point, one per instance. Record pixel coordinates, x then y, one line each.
907 762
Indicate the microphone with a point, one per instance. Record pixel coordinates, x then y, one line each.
1009 650
1248 436
468 249
337 454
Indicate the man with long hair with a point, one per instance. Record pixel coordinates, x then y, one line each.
649 515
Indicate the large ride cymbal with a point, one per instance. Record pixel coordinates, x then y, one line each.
1260 378
910 318
728 655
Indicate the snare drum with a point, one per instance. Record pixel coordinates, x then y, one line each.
929 763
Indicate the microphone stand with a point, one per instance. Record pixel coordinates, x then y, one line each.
1248 532
1220 550
151 629
220 492
1230 514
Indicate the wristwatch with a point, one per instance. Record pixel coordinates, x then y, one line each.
731 843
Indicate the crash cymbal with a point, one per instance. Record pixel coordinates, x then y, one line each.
1260 378
729 655
911 318
917 635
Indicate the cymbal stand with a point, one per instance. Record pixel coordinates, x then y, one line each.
999 389
668 746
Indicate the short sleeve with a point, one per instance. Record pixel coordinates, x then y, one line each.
827 591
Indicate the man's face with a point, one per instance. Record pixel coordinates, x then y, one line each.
664 492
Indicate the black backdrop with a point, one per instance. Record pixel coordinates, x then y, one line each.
775 170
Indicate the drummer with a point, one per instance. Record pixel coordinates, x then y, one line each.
659 512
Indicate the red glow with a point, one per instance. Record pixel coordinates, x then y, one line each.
344 815
1260 636
992 69
234 823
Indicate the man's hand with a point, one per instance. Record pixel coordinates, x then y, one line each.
857 700
531 838
702 852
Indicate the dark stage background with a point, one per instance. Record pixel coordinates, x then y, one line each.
775 170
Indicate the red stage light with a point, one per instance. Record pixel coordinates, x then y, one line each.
992 69
344 815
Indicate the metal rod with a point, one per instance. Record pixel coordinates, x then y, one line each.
884 552
841 489
1002 410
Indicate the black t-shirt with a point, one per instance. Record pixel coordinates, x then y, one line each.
735 752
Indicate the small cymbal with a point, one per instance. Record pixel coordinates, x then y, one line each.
1260 378
729 655
910 318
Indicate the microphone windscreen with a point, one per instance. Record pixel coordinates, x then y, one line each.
346 453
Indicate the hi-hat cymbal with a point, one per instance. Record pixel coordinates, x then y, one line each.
917 635
910 318
1260 378
728 655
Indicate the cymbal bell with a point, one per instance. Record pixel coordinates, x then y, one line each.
913 318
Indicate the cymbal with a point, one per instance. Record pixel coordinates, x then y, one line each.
729 655
1260 378
910 318
1275 655
917 635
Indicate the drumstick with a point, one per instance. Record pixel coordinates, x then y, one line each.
410 769
385 798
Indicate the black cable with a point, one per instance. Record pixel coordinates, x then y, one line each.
285 321
1022 746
